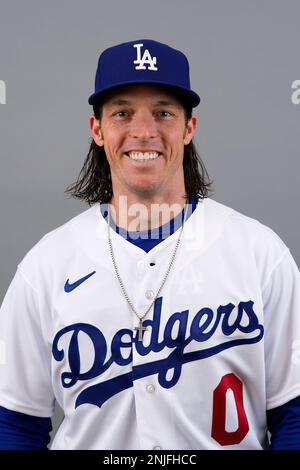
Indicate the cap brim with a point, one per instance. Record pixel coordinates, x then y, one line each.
188 96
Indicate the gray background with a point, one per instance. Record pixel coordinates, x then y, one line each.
244 56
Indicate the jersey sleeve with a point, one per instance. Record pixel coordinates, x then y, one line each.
25 362
281 299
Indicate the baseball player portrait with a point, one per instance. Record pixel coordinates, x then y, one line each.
157 318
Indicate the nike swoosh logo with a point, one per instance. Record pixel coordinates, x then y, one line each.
70 287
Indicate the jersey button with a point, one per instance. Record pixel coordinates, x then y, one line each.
149 294
150 388
156 448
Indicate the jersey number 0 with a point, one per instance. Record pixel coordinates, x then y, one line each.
218 432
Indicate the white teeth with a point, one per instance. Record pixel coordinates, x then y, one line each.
143 155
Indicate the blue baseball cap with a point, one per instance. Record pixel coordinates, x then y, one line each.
143 61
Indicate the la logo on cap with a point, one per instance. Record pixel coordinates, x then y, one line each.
146 59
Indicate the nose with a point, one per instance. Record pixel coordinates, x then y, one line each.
143 126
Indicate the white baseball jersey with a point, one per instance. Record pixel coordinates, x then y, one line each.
220 347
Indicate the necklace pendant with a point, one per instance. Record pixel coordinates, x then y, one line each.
141 330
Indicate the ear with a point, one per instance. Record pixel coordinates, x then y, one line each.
96 130
190 129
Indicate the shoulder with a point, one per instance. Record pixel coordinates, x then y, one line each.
243 232
60 243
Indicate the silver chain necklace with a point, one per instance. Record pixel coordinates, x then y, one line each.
141 328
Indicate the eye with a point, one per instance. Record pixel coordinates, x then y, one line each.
165 113
121 114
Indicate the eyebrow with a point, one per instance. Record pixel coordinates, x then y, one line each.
122 102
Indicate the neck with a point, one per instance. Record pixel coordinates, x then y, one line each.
143 213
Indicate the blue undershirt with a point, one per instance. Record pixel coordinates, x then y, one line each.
20 431
148 239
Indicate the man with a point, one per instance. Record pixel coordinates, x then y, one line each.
158 318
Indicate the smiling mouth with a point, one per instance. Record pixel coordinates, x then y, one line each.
143 156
